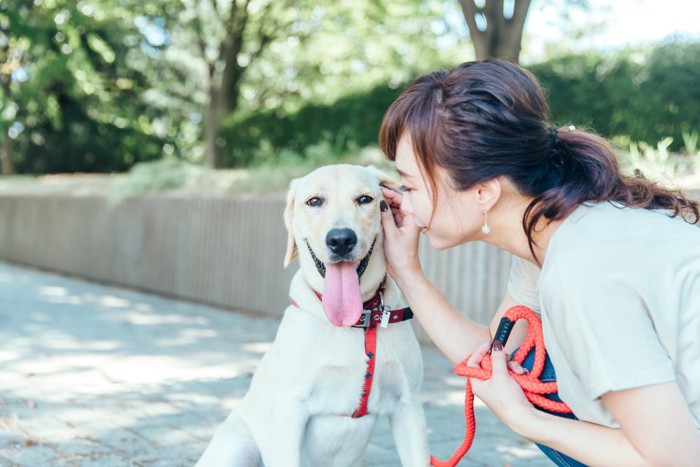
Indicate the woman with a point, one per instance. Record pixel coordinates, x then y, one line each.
612 263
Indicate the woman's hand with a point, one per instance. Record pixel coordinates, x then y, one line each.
501 393
400 238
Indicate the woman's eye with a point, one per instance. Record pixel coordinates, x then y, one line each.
405 189
314 202
364 199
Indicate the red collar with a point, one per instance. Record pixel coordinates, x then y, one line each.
374 311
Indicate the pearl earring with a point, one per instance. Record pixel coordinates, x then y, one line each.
485 228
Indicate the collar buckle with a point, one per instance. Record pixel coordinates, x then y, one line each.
364 320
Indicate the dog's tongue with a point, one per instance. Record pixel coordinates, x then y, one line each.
342 300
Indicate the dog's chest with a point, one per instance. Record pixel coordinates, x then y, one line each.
340 387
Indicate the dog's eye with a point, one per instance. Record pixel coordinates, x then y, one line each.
314 202
364 199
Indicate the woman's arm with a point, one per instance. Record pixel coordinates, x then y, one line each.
453 333
656 425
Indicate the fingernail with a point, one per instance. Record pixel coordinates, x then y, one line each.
497 346
383 206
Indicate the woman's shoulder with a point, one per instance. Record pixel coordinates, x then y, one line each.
608 235
610 222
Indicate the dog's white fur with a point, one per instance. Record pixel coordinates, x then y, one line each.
296 412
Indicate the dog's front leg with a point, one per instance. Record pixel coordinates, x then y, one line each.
410 434
286 432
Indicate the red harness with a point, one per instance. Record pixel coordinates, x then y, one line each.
374 315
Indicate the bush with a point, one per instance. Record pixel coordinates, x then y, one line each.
635 96
350 123
641 96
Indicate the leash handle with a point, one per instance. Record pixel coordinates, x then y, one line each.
505 326
533 388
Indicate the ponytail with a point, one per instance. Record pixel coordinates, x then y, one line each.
586 169
482 120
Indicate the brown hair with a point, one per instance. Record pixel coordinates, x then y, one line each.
481 120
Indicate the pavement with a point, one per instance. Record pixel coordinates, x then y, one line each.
94 375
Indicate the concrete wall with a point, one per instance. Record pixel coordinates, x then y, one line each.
224 251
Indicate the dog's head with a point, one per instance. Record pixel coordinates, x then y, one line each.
334 225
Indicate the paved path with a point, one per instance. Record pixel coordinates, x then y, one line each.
101 376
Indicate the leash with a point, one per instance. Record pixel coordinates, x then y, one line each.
374 315
533 388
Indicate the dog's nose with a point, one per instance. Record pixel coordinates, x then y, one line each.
341 241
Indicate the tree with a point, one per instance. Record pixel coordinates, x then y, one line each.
254 53
71 95
226 37
496 26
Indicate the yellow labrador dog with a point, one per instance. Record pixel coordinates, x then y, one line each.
344 354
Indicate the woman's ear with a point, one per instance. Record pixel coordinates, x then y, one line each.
288 218
489 192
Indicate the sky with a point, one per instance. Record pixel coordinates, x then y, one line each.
623 23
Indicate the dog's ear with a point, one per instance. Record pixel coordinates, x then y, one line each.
288 217
384 179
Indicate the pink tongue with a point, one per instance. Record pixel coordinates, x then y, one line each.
342 301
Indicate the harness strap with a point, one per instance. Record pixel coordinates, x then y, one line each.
371 352
534 389
375 314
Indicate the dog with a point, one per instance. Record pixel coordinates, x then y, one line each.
319 390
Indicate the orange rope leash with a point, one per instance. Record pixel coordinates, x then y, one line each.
533 388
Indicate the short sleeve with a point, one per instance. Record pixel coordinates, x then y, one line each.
522 283
604 330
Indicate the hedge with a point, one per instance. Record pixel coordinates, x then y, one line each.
639 95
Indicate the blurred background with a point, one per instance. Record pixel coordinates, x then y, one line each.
148 143
173 89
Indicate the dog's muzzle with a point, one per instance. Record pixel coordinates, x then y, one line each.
360 267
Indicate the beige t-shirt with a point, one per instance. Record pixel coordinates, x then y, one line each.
619 297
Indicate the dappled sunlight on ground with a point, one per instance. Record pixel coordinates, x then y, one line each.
101 376
86 368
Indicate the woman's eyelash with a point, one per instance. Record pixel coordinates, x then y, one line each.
404 189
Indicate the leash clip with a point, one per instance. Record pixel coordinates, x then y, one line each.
386 313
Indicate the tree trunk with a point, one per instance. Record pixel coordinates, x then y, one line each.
212 151
501 37
224 84
6 166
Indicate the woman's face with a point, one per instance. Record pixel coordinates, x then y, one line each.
457 217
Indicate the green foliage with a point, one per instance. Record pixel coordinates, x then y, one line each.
690 142
635 96
78 97
102 85
350 123
111 83
644 96
164 174
171 174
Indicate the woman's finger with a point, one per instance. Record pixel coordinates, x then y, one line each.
475 358
393 200
388 220
499 361
398 217
393 197
516 368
